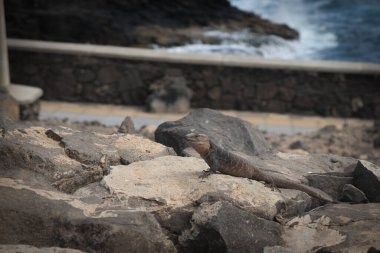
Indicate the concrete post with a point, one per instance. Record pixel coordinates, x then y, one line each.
4 68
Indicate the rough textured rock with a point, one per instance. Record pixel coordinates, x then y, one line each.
352 194
148 131
331 184
173 182
71 159
44 218
6 124
365 178
19 248
9 107
222 227
298 145
335 228
31 149
229 132
127 148
127 126
349 140
158 203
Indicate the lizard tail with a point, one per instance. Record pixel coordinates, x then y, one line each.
316 193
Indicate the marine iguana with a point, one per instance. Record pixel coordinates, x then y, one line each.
232 164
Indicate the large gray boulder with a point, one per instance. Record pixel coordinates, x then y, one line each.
229 132
45 218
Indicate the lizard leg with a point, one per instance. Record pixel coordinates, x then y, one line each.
273 185
206 173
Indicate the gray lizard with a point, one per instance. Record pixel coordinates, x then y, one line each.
231 164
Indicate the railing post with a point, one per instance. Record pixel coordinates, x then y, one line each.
4 68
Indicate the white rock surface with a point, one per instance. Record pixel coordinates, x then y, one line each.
174 182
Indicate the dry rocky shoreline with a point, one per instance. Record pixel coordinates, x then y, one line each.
93 189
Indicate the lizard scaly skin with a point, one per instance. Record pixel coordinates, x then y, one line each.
231 164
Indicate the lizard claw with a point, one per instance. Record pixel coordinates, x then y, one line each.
206 173
273 187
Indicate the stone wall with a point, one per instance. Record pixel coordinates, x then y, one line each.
93 79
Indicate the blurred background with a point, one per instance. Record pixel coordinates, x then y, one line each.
328 29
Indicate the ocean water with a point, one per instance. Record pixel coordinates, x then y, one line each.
342 30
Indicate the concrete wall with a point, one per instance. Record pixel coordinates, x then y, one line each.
115 75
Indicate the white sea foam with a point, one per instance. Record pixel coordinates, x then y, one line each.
295 13
299 15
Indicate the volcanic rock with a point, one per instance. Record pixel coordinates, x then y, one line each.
230 230
44 218
365 177
229 132
335 228
353 195
70 159
173 182
132 23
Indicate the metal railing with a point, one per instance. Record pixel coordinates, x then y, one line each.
197 59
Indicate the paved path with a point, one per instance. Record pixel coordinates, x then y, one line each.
114 114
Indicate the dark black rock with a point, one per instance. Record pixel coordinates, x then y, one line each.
367 181
298 145
376 142
228 132
353 195
373 250
226 228
53 135
376 125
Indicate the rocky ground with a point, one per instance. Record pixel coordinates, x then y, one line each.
354 141
72 187
360 142
133 23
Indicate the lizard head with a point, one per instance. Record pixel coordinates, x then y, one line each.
199 142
